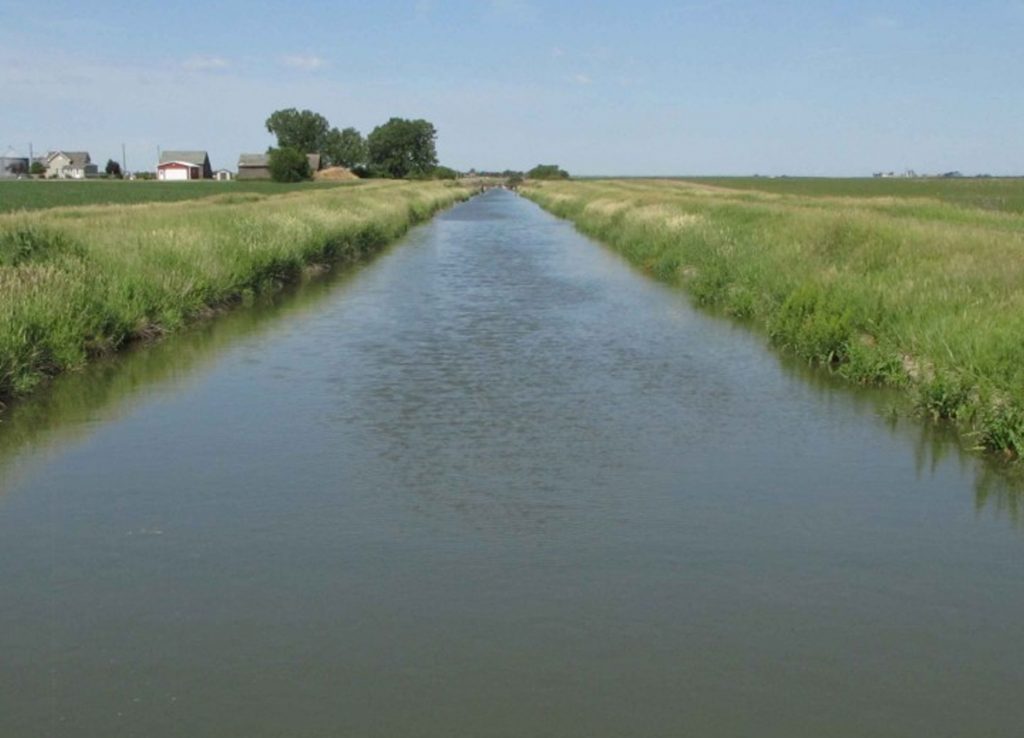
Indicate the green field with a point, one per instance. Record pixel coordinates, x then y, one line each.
1005 194
909 287
39 194
77 282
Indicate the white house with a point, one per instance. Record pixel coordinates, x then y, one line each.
69 165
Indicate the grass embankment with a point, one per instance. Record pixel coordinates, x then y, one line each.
912 292
76 282
34 194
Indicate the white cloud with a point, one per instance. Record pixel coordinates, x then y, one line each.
205 63
307 62
557 51
581 79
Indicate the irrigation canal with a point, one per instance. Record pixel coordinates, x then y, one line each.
494 483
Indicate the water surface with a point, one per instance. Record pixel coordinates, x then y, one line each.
494 483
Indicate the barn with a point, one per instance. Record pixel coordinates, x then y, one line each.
257 166
178 166
254 166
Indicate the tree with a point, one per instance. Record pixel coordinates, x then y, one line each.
299 129
444 173
37 169
113 169
345 148
402 148
288 164
547 171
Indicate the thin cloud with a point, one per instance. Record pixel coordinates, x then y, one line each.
581 79
306 62
205 63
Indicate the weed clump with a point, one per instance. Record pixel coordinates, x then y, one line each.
34 244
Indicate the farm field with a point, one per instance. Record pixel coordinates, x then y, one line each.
901 287
1005 194
75 283
39 194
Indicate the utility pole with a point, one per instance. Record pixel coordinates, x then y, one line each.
124 162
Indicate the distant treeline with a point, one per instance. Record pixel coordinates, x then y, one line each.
398 149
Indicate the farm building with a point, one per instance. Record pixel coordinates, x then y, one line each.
257 166
254 166
223 175
13 165
178 166
69 165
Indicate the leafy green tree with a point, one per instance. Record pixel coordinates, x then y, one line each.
288 164
37 169
445 173
299 129
113 169
403 148
345 148
547 171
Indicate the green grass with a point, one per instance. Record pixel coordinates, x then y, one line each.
916 292
39 194
1004 194
75 283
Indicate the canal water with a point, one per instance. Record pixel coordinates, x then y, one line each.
494 483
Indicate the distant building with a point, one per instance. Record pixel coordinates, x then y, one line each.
257 166
12 165
254 166
69 165
179 166
223 175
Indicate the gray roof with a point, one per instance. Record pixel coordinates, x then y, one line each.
192 157
76 159
253 160
263 160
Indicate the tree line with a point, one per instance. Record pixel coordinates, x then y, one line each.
399 149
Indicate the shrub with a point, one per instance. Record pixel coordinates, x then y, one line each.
547 171
289 165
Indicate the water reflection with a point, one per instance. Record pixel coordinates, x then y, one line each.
73 405
998 485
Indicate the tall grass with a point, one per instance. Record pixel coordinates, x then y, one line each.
78 282
912 292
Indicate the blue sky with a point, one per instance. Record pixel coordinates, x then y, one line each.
645 87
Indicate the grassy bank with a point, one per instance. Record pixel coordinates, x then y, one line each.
915 292
76 282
